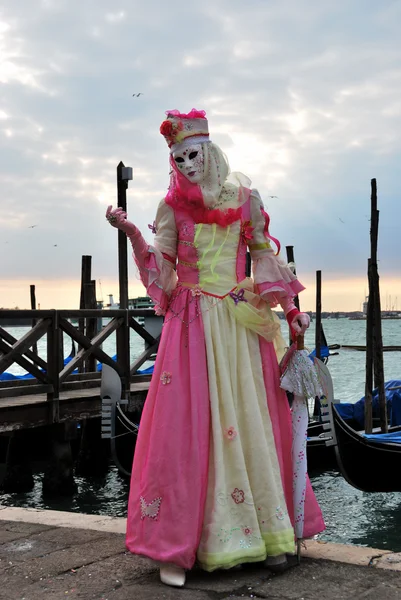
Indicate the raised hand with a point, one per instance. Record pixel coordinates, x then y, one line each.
118 218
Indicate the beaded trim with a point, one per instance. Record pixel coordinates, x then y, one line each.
172 314
226 195
186 243
187 264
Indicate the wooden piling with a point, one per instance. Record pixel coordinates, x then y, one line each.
33 307
377 322
18 476
248 265
86 270
94 452
368 406
290 259
122 186
58 479
91 324
123 333
318 320
374 337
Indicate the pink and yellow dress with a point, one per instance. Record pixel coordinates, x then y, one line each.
212 473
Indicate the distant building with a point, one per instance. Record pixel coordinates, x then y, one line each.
365 306
141 302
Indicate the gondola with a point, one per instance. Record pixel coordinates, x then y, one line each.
319 455
369 462
115 423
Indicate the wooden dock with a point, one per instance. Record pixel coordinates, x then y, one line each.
57 393
27 411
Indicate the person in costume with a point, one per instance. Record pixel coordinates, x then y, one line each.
212 475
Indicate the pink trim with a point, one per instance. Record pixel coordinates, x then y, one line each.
246 208
187 197
145 267
290 317
149 263
242 247
169 258
159 297
194 114
277 289
266 230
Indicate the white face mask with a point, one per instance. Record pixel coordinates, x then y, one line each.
191 162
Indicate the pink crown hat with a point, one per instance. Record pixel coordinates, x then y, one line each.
181 130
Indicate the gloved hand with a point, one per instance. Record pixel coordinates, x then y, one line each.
298 321
118 218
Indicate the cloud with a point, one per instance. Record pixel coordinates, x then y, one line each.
302 96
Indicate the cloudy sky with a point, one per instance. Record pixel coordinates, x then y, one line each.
304 96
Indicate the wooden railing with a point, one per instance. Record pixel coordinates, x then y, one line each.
51 376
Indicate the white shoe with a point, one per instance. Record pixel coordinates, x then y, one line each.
170 574
277 563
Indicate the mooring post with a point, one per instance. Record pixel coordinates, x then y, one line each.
18 476
91 324
86 270
377 321
33 307
124 174
248 265
58 479
318 328
54 365
94 452
122 186
290 259
368 407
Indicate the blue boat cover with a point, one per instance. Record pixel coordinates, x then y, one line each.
357 411
10 377
384 438
324 352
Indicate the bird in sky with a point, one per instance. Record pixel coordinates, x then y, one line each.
272 196
137 95
341 220
55 246
32 226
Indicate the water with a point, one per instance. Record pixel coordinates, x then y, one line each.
351 516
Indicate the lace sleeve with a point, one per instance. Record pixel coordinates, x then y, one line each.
273 276
156 263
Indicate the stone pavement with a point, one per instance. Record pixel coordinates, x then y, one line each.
41 560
